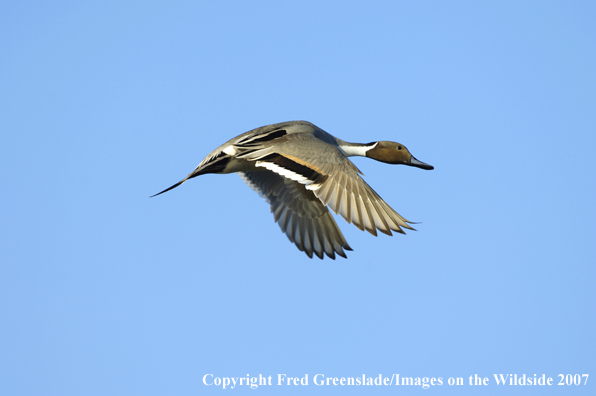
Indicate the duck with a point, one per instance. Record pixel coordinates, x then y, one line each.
302 172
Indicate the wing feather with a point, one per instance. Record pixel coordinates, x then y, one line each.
323 169
299 213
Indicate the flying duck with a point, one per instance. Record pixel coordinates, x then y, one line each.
301 171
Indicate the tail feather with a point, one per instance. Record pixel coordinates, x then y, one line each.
170 188
193 174
215 164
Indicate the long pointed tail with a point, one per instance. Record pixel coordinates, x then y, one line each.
172 187
215 165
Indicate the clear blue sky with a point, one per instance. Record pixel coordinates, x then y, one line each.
104 291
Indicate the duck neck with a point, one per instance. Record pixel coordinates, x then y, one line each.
356 149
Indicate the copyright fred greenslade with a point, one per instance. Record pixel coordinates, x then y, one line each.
380 380
316 380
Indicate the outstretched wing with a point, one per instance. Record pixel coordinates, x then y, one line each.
323 169
358 203
300 215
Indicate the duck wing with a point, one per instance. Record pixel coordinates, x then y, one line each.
325 170
299 213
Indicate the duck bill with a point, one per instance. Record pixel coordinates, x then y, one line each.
419 164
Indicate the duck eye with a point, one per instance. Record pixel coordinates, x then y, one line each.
399 147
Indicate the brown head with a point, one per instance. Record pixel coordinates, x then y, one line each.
394 153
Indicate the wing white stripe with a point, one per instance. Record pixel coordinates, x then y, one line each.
284 172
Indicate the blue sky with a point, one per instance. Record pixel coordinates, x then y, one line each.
105 291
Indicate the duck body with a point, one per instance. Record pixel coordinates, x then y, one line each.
301 171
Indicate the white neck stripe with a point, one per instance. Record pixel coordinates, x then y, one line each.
357 150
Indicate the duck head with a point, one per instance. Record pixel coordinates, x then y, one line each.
394 153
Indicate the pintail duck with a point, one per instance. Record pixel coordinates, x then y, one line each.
300 170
